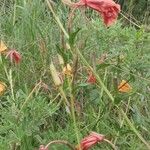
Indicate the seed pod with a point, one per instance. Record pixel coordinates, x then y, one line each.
55 76
61 60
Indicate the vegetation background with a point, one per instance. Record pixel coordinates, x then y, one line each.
31 115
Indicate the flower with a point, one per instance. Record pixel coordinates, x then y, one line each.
2 88
124 87
42 147
89 141
67 70
3 47
91 78
14 56
108 9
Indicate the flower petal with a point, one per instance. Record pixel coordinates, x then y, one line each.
3 47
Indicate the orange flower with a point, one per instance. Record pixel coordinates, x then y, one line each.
124 87
108 9
67 70
90 141
2 88
3 47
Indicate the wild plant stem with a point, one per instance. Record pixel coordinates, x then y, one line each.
57 19
64 96
73 112
60 142
113 146
122 121
14 13
28 98
11 84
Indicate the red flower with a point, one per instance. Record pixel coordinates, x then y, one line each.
108 9
14 56
90 141
91 78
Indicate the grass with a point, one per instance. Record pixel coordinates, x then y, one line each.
32 115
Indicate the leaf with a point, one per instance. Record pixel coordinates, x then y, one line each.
66 55
73 36
132 77
102 66
83 84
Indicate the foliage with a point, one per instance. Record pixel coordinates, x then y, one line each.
137 10
32 115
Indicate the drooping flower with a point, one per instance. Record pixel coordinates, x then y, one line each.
2 88
89 141
3 47
91 78
124 87
108 9
14 56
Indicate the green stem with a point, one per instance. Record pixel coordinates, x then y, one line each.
57 19
64 96
14 14
11 84
73 112
60 142
28 98
113 146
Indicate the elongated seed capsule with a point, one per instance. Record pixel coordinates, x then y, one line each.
61 60
54 73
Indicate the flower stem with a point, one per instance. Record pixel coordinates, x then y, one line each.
73 112
113 146
60 142
57 19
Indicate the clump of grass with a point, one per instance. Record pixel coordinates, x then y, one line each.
32 115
